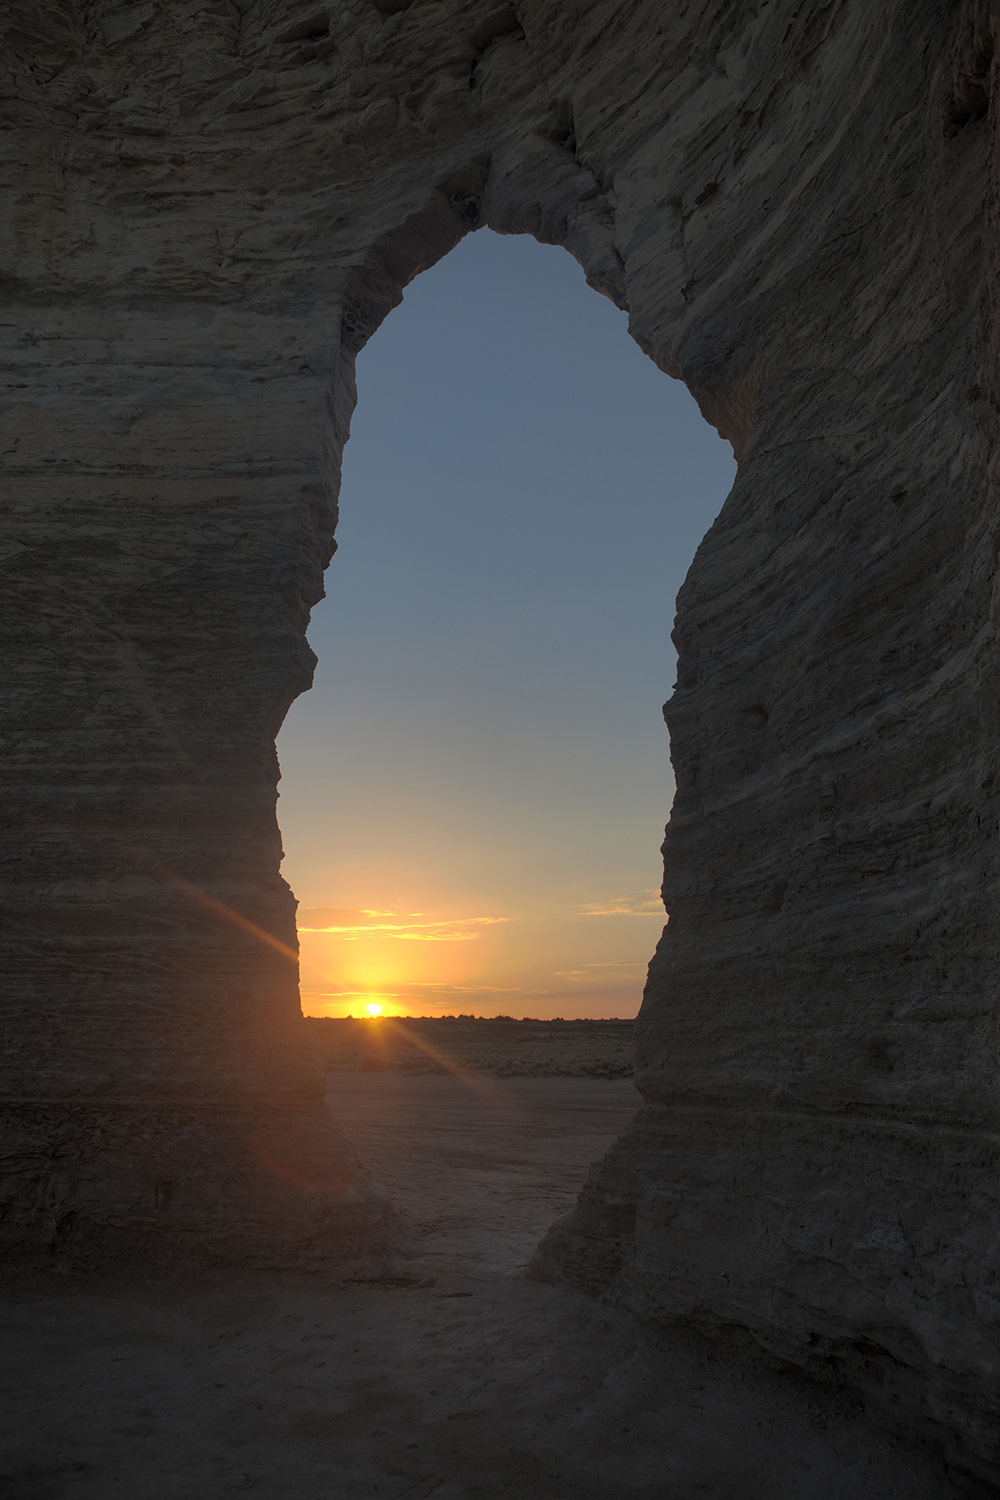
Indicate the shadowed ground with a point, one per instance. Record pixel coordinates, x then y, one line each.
442 1374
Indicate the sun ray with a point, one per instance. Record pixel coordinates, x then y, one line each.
212 903
474 1080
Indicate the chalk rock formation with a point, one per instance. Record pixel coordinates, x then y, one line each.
210 207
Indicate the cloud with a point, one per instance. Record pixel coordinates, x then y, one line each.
383 994
642 904
325 918
619 963
351 923
429 989
467 989
437 937
583 970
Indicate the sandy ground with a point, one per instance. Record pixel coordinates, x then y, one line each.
448 1375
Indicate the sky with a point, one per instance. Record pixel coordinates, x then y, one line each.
473 794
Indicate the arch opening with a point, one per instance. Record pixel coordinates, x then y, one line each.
474 790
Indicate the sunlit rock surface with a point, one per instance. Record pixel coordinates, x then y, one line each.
209 208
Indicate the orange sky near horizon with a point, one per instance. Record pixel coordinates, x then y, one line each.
445 959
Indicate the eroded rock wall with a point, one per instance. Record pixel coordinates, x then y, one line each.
211 208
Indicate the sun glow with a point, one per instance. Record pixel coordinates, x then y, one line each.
374 1010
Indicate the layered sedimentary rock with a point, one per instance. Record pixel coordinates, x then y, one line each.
209 208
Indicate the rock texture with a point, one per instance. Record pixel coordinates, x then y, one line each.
210 205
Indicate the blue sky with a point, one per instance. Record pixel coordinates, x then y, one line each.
474 792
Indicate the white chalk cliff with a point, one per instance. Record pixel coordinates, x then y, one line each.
209 206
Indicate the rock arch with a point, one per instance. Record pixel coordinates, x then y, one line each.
211 207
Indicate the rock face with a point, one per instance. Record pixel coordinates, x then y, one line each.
209 208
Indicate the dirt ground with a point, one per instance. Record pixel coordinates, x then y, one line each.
500 1047
445 1375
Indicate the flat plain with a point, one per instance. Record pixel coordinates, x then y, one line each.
501 1047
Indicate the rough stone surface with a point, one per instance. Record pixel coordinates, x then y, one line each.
208 208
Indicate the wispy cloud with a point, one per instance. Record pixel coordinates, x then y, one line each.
468 989
407 989
584 971
619 963
438 936
642 904
383 994
352 923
